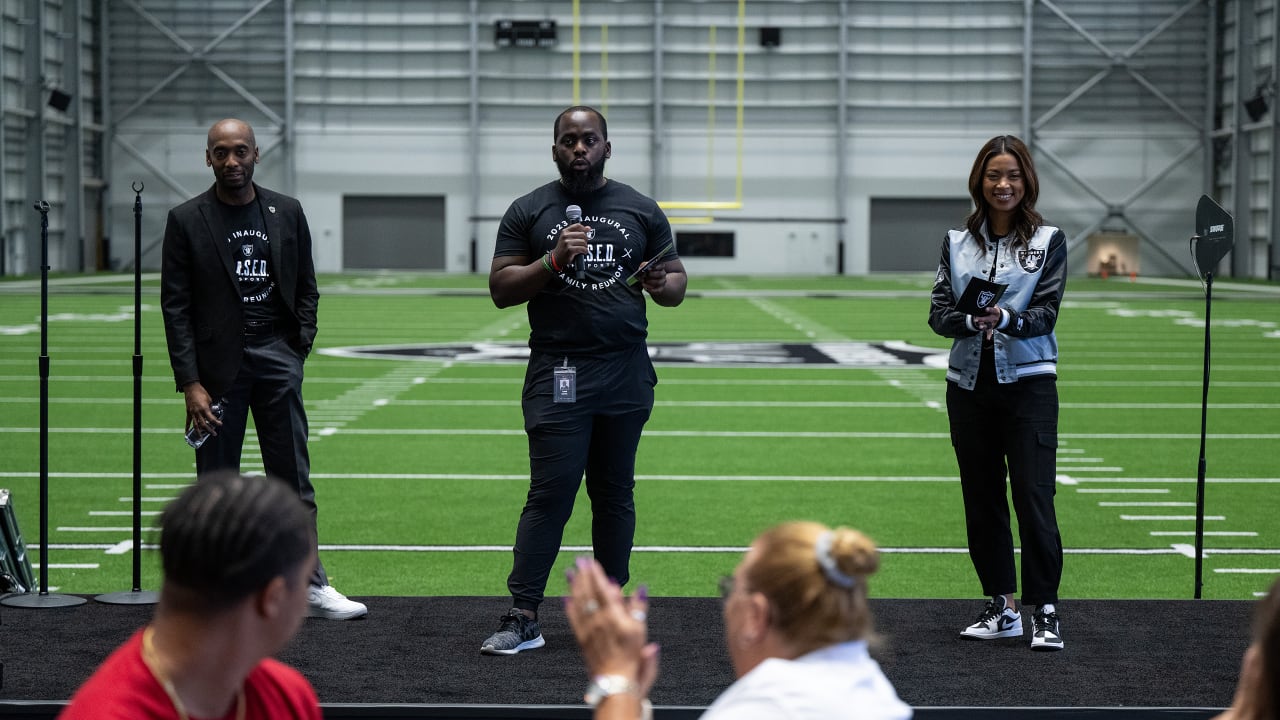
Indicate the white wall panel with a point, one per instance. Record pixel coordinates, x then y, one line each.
48 153
1245 157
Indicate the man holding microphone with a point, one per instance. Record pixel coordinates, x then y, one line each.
578 251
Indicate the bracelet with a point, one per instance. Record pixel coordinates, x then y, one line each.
603 686
554 266
546 264
646 707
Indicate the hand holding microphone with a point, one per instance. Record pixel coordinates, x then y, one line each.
573 214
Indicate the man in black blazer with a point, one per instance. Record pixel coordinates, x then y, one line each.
238 291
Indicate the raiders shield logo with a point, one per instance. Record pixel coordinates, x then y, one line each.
985 297
1031 260
246 249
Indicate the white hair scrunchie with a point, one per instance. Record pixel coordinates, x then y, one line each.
822 549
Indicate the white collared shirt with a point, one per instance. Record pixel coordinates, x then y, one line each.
838 681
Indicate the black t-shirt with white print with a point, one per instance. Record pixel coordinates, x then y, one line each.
602 313
251 250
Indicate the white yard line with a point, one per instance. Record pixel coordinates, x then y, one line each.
491 432
747 382
1177 518
681 549
1146 504
1207 533
1121 491
185 477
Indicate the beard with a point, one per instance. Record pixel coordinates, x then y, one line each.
581 181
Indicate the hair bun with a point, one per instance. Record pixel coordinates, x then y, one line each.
854 553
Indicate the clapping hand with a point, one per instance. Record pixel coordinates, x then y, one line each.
611 629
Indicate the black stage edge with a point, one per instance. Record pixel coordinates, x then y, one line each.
418 657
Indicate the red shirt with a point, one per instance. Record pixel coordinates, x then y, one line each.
123 688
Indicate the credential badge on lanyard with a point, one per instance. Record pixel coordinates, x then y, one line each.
565 383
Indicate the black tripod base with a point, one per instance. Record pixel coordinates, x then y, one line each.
37 600
129 597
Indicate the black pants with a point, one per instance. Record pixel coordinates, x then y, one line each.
597 434
270 384
1015 423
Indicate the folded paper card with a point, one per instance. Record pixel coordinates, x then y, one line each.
979 295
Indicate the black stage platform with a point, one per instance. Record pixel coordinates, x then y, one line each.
419 657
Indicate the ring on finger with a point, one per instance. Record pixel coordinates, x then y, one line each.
590 606
639 615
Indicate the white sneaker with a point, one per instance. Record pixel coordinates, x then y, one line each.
996 621
326 602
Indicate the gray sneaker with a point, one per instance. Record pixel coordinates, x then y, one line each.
516 634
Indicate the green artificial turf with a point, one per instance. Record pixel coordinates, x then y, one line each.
421 467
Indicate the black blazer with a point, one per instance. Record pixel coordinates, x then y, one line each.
200 296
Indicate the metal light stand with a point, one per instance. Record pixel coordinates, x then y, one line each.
136 596
1204 422
1214 238
43 599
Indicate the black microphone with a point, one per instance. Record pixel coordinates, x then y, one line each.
574 214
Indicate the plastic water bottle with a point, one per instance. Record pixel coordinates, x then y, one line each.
197 437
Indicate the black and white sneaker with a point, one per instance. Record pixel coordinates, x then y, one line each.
996 621
516 634
1047 635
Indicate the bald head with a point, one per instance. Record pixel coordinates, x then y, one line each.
232 126
232 152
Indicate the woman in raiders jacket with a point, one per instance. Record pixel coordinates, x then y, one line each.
1002 397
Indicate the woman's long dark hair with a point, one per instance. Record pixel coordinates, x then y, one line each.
1025 217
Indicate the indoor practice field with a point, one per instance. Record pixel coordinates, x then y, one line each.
784 398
